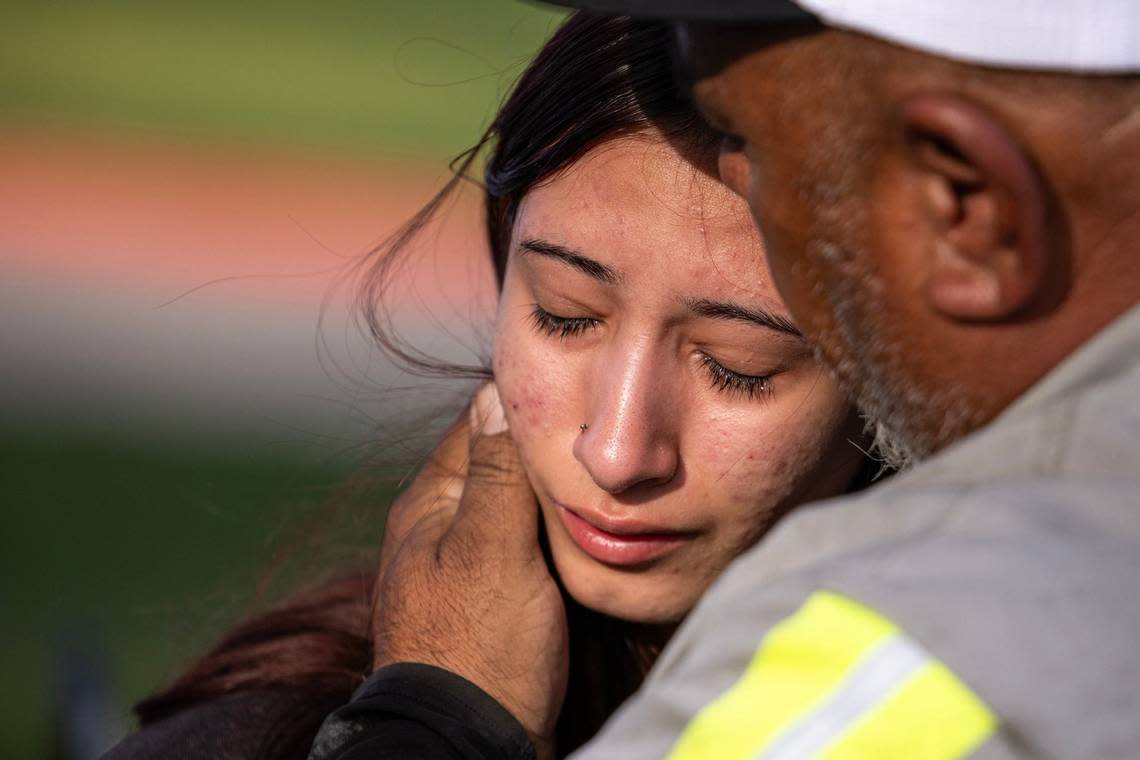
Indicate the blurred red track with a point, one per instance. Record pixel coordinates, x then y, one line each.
169 217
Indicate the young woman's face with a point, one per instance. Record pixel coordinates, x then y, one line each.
666 408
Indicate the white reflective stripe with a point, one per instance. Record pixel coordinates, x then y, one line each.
880 673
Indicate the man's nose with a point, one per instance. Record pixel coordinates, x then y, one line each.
733 166
630 438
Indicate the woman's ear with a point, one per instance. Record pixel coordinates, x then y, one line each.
986 207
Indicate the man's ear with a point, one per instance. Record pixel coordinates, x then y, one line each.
986 206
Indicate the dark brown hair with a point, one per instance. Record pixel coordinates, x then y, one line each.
598 78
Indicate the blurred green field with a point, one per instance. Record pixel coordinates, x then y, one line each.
145 547
391 76
145 553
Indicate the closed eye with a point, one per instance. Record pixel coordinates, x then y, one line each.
726 381
560 327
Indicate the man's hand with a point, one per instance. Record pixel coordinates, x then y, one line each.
463 584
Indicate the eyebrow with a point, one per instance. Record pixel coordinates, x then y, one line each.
725 310
594 269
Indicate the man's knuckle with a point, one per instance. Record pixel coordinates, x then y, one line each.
493 471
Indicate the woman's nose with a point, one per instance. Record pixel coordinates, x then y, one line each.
630 437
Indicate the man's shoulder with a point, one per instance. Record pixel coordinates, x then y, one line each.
1022 589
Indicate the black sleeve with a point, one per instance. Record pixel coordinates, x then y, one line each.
235 727
411 711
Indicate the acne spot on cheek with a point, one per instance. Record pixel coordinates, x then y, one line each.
525 391
782 467
534 407
746 463
526 404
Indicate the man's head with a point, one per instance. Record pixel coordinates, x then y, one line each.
945 232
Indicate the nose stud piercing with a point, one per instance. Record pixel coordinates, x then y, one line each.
582 428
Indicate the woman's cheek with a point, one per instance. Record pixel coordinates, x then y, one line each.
528 385
752 470
785 450
743 458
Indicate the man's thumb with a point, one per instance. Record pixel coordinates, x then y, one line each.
498 507
487 416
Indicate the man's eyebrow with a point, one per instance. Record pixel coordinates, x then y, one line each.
725 310
598 271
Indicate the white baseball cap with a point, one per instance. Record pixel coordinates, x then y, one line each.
1086 36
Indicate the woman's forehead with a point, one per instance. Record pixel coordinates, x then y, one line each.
644 168
637 205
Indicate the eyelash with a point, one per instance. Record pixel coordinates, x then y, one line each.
727 381
560 327
723 379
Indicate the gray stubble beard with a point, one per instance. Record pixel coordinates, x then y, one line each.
866 351
871 365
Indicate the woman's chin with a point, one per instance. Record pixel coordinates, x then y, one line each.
634 612
635 599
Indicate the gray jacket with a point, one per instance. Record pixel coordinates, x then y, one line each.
1012 558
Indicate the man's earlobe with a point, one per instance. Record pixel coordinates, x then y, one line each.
986 206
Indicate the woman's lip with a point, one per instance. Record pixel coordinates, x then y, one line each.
622 543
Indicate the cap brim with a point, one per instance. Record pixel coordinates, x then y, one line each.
695 10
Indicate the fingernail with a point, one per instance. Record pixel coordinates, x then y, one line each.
487 411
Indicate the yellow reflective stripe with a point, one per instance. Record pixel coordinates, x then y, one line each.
864 686
797 665
933 716
837 681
